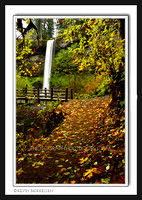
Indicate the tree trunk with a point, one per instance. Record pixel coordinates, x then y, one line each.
40 29
122 28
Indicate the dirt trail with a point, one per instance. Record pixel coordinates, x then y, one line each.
65 155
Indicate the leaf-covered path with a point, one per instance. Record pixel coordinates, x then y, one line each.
87 147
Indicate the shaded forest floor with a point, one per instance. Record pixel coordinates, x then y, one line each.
86 147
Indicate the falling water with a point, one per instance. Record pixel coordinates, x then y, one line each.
48 64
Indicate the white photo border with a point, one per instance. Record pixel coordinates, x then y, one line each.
20 11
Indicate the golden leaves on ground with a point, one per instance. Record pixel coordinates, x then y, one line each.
89 172
82 160
88 147
19 171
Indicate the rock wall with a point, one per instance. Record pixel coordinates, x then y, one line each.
37 60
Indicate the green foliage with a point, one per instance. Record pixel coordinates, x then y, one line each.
82 96
45 27
49 117
122 103
78 82
50 29
22 53
100 49
36 122
63 62
106 180
22 81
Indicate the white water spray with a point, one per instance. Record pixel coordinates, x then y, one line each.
48 64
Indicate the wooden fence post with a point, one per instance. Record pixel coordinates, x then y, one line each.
51 93
23 90
26 99
66 94
45 92
38 95
71 93
34 91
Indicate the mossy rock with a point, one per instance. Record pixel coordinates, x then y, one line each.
37 84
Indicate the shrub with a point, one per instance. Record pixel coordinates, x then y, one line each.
49 117
22 81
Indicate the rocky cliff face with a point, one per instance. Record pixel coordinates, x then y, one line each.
61 44
37 60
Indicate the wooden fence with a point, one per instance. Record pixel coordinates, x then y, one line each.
25 95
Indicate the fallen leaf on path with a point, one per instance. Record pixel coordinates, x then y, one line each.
82 160
89 172
60 165
19 171
72 182
63 170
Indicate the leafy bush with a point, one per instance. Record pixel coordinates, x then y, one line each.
79 82
63 62
49 117
36 122
22 81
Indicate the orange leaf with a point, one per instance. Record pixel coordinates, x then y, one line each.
43 157
96 171
82 160
63 170
72 182
103 148
97 182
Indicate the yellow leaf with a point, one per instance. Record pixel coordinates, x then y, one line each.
90 175
20 159
19 171
65 182
82 160
37 164
88 172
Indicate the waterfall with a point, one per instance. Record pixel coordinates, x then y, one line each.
48 64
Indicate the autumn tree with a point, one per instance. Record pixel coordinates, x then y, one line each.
24 30
24 50
100 48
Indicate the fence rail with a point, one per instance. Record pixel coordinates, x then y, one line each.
38 94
